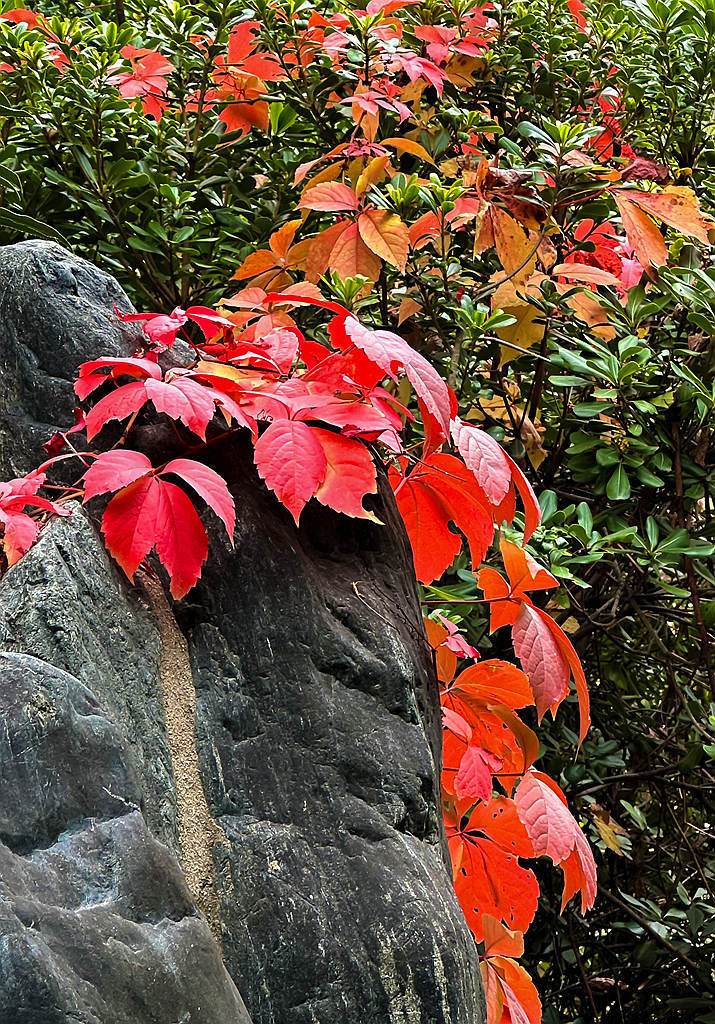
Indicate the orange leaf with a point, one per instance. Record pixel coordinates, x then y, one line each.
329 197
499 941
677 206
282 239
320 249
494 682
445 659
408 146
350 256
385 235
255 263
642 232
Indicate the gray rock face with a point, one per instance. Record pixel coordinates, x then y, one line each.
319 740
309 782
56 311
96 922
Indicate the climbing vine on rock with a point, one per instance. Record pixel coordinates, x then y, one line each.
322 418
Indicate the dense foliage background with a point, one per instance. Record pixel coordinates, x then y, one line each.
611 416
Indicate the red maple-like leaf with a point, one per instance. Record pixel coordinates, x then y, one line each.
474 777
438 491
148 512
555 833
392 354
152 513
487 722
292 462
19 529
350 474
488 879
91 374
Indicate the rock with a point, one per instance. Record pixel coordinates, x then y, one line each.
56 310
301 793
66 603
319 738
97 924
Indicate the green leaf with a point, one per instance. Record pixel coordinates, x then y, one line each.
618 487
28 226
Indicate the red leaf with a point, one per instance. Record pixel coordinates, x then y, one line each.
209 321
113 470
154 513
19 534
291 460
181 399
555 833
434 546
441 489
90 375
181 542
349 476
541 658
390 353
574 663
532 509
209 486
488 878
474 778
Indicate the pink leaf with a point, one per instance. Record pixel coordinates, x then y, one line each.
485 458
555 833
390 353
474 778
541 658
291 460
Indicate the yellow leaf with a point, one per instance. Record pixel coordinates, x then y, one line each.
373 173
511 297
461 69
609 829
516 252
